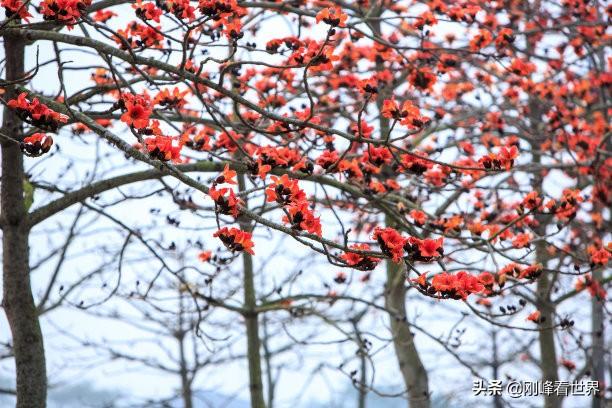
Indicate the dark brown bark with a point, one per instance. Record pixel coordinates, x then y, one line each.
17 301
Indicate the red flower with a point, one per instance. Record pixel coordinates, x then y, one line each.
419 217
595 289
481 40
422 78
301 218
102 16
36 113
171 100
138 111
233 29
443 282
351 169
599 256
431 247
424 250
332 16
535 317
458 286
163 148
421 281
147 11
360 262
64 11
16 7
284 190
391 242
414 164
484 302
532 200
531 272
486 279
521 240
227 176
235 239
377 156
36 145
205 256
569 364
225 205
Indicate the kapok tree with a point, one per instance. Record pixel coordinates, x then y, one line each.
465 144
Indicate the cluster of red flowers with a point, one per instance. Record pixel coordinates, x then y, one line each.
316 55
522 240
225 199
171 100
102 16
415 164
287 193
599 256
593 286
16 7
218 9
536 317
517 271
36 144
226 13
332 16
67 12
504 159
567 206
235 239
531 201
393 244
292 43
147 11
198 138
360 262
424 250
451 286
409 115
180 8
269 157
227 140
163 148
137 109
139 36
422 78
36 113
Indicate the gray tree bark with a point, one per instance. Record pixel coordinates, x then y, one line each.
17 300
251 320
410 364
598 345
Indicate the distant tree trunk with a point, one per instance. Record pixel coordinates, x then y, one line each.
548 353
497 399
186 378
598 341
410 365
17 300
251 321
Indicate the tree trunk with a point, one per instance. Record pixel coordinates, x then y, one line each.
186 392
597 340
17 300
251 322
411 367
